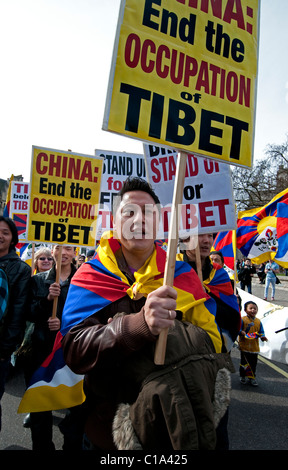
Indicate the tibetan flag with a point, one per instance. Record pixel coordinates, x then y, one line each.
219 286
23 248
53 386
20 220
6 211
95 285
254 335
226 243
248 371
100 281
257 230
162 243
281 256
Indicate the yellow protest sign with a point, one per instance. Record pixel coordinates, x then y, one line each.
64 197
184 75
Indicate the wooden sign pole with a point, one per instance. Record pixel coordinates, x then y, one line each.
33 259
198 262
159 356
58 273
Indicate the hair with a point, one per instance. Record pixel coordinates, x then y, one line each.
43 251
134 184
249 302
219 254
13 230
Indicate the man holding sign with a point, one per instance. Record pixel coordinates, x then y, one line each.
116 308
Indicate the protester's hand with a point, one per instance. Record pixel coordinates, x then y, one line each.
53 324
159 309
54 291
263 338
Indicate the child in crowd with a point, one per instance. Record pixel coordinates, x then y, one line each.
251 330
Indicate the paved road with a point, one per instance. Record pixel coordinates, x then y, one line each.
281 293
257 415
13 435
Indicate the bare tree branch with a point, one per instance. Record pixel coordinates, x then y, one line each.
268 177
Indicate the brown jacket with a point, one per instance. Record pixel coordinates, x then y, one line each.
100 351
179 404
117 359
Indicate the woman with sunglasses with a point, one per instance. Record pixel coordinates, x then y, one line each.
43 260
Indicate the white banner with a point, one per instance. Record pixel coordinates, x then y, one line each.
19 207
208 201
117 167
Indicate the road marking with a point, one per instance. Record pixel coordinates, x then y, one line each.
281 371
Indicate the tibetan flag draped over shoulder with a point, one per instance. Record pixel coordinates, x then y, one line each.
218 284
257 230
281 256
95 285
100 282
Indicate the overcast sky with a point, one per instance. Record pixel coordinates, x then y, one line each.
55 63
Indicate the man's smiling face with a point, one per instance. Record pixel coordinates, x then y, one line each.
136 222
68 253
5 238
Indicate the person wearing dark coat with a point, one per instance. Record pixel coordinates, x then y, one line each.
13 322
133 403
245 275
44 290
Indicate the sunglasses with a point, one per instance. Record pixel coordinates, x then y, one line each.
43 259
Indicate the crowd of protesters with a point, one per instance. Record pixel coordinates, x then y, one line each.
266 272
27 328
107 345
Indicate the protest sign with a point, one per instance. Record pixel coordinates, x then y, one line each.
208 201
117 167
184 75
64 197
18 209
